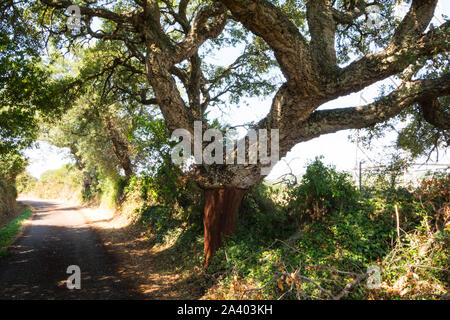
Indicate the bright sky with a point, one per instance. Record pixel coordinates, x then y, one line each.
336 148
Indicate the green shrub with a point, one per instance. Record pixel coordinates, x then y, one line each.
262 218
321 190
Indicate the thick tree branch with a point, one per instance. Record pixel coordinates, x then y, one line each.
294 128
407 45
349 16
409 93
290 47
323 33
435 113
159 74
201 31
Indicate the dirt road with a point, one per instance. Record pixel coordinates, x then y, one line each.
57 237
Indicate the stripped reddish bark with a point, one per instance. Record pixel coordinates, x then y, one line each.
220 215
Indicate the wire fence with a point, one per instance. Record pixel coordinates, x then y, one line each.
410 176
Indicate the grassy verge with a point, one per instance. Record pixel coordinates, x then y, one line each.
8 233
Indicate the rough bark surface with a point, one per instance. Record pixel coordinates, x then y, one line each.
120 147
220 214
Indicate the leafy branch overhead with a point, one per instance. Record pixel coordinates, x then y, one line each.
168 41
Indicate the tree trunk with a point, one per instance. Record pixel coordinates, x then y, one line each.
219 220
121 147
87 182
126 165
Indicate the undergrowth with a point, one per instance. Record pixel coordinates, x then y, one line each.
328 254
315 239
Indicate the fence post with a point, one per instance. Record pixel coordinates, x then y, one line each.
360 176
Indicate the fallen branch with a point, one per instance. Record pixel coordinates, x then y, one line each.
350 286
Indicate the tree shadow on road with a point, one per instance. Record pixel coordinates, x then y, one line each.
159 272
36 267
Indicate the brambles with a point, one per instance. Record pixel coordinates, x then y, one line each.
434 198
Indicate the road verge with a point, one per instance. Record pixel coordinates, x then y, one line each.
10 233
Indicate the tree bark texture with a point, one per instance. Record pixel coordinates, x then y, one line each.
220 214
